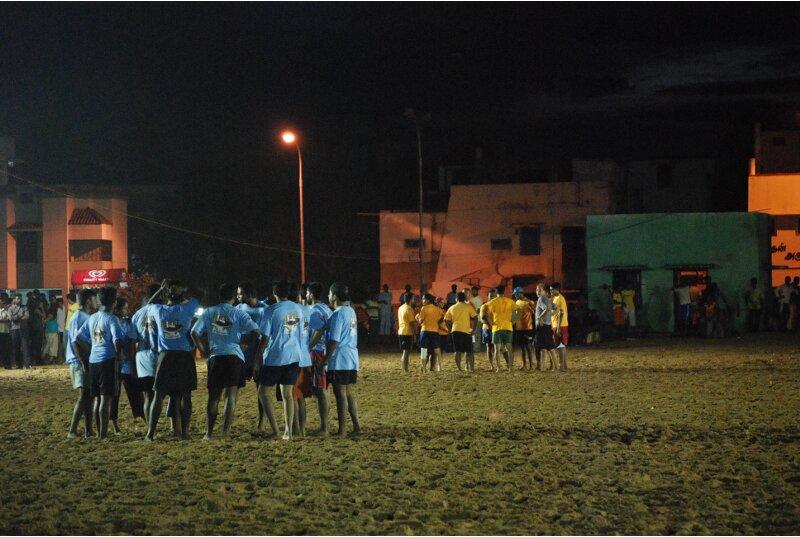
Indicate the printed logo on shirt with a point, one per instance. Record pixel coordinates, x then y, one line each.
149 325
305 326
353 327
221 324
98 336
290 323
172 329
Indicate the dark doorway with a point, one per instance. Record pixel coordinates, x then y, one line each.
573 260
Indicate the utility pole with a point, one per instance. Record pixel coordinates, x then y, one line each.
418 121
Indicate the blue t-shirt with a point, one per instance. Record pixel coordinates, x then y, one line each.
342 328
283 324
126 363
76 322
320 313
305 337
173 324
225 326
102 330
147 334
256 313
51 327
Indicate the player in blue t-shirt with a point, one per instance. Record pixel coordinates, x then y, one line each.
103 336
304 387
280 348
342 355
78 363
247 296
218 334
127 371
176 372
145 347
318 320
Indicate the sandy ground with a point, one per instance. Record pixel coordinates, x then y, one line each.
642 437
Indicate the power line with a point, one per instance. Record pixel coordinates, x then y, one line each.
168 225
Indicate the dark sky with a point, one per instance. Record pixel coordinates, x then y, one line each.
195 94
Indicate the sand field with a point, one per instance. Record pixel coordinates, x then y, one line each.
640 437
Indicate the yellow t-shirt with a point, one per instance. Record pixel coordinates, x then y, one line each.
502 310
460 315
482 314
405 320
628 299
525 316
616 299
561 302
429 317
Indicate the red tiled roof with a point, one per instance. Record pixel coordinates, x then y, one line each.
87 217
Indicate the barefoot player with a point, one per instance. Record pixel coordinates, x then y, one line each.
342 355
406 327
218 334
251 305
429 339
560 325
78 366
486 327
320 313
281 353
461 320
503 312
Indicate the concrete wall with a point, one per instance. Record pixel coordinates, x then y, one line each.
400 265
689 190
477 214
738 244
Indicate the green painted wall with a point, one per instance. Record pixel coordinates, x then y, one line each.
737 243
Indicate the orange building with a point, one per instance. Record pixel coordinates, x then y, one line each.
51 241
774 189
512 234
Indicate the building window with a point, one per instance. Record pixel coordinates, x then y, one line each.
664 176
91 250
26 198
411 244
501 244
779 140
530 241
27 247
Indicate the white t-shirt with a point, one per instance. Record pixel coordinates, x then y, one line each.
684 296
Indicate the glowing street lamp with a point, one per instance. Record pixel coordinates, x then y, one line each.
290 138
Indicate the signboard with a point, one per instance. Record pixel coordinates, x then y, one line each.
100 277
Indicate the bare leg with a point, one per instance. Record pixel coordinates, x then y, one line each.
490 355
423 355
339 390
266 404
261 412
353 408
186 413
82 410
288 410
155 413
404 361
231 393
471 361
458 361
552 354
301 416
105 411
538 353
148 403
211 411
509 357
562 353
324 406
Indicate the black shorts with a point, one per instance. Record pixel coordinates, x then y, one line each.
175 372
462 342
286 375
146 383
104 378
406 343
523 337
544 338
225 371
343 376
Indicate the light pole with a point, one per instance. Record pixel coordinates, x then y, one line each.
418 121
289 138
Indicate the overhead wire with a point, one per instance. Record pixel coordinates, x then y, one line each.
196 233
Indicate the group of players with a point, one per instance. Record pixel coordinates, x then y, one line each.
297 344
538 327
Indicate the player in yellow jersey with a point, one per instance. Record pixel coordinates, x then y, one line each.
486 327
461 319
502 314
406 327
523 327
560 324
429 316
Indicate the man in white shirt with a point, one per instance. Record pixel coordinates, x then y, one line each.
477 302
684 308
784 296
5 336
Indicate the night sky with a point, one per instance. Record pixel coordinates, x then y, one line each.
196 94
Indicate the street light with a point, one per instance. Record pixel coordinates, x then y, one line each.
418 121
289 137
